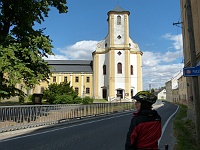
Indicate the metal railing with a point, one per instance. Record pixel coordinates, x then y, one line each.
27 116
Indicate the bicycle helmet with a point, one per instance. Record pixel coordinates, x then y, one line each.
145 96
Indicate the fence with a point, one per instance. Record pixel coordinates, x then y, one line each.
27 116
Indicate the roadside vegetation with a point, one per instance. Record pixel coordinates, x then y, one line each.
184 131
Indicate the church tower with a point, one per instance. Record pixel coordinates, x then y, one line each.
117 62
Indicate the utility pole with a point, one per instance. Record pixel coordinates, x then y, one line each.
193 61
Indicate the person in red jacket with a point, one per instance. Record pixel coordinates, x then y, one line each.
145 128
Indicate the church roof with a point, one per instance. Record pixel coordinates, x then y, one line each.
118 9
67 66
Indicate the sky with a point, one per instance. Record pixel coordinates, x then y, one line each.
75 34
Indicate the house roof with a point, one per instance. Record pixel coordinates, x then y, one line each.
71 65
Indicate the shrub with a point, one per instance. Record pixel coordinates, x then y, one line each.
21 99
54 91
77 100
63 99
87 100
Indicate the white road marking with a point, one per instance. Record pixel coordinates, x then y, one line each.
24 136
166 123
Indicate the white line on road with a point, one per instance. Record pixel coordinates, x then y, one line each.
24 136
166 123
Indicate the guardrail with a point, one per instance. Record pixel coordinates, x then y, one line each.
27 116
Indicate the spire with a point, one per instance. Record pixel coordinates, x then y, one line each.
118 9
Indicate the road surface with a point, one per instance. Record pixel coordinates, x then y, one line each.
101 133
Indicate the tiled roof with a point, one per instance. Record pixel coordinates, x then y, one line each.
71 66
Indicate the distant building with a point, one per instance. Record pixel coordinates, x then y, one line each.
172 87
162 94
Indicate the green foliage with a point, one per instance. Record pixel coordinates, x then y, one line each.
60 94
22 47
21 99
87 100
184 130
63 99
77 100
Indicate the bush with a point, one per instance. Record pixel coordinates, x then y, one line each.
87 100
56 91
77 100
63 99
21 99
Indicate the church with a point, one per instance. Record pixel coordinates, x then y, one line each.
115 71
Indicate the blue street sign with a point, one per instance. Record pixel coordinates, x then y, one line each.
192 71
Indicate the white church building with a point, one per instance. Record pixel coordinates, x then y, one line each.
117 60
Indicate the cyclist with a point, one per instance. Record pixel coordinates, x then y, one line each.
145 128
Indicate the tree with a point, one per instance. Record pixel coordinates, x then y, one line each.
60 93
22 47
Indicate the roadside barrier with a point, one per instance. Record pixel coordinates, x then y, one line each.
27 116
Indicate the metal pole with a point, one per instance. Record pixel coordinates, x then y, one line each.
193 61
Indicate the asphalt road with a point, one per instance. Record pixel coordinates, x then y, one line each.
101 133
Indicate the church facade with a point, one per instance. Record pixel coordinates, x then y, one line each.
116 68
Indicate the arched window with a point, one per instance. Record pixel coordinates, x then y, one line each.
131 69
119 68
104 69
118 20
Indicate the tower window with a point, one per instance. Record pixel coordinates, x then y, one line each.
131 69
106 45
104 69
118 20
119 37
119 68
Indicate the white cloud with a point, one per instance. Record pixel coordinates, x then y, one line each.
177 40
55 57
158 68
79 50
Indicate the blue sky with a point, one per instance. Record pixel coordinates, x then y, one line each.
76 33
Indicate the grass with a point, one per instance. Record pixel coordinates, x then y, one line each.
100 101
15 101
184 131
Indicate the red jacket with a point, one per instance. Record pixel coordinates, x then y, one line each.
144 131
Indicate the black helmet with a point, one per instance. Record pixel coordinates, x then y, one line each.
145 96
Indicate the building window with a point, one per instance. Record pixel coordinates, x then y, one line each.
104 69
54 79
87 91
76 89
65 79
131 69
118 20
106 45
88 79
119 68
76 79
42 89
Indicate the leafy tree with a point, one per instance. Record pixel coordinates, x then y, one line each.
60 93
22 47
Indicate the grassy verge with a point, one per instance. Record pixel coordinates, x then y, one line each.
184 131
